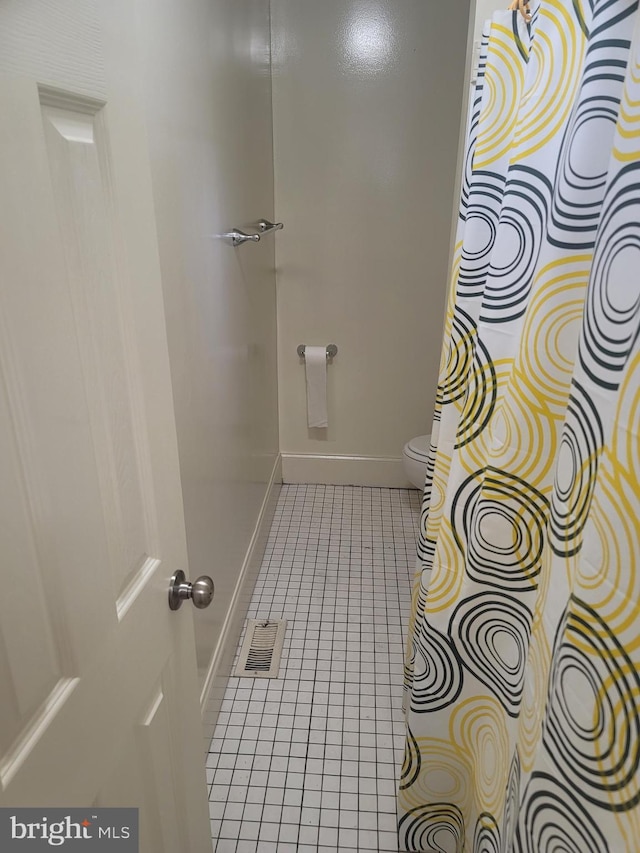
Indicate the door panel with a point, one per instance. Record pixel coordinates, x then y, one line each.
80 165
97 677
147 769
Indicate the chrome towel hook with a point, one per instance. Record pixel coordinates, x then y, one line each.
237 237
267 227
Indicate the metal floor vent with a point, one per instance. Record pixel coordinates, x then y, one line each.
262 648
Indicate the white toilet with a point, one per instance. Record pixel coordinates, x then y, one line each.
414 456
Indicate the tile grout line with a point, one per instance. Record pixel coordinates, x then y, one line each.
325 565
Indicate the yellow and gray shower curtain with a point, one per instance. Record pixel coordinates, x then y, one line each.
523 660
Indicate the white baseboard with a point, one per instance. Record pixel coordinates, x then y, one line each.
221 661
344 470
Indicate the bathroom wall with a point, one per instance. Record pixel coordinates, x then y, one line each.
367 102
206 66
484 10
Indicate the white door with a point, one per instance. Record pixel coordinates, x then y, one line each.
98 686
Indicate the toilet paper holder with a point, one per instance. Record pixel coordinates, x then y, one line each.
332 350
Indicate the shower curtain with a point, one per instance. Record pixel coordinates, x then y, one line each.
523 656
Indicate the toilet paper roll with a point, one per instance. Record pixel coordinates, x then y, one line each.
316 369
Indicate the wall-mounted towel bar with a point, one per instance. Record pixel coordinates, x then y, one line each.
237 237
332 350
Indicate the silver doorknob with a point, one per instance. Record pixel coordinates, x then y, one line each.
200 592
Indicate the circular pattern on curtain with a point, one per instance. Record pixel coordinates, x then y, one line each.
523 659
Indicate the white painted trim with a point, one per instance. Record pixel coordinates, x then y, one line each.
386 472
222 658
51 96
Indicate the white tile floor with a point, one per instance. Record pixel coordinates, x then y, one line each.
309 761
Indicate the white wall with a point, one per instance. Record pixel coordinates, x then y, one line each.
367 99
208 94
484 10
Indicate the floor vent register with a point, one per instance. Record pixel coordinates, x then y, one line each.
262 649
